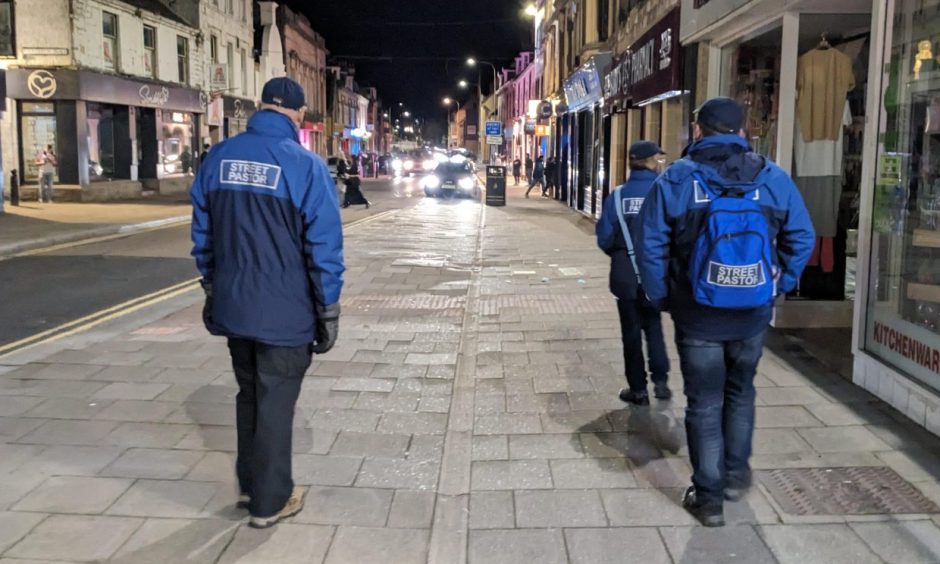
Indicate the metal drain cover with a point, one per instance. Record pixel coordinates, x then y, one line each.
861 490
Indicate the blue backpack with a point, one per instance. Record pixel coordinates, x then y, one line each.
731 265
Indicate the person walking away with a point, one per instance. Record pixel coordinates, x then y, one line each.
528 167
48 162
551 177
354 196
537 176
268 241
616 232
516 171
205 153
723 232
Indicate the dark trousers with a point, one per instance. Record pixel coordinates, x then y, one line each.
536 180
638 317
269 380
719 419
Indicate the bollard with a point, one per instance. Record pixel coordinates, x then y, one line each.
14 188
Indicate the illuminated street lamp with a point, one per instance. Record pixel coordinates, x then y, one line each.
463 84
406 113
531 10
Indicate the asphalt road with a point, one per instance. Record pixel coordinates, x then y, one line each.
46 290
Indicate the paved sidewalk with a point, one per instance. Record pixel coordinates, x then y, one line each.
33 225
468 414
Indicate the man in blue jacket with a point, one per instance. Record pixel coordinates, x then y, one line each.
636 312
719 347
268 241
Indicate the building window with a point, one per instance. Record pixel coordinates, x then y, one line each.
182 58
230 61
242 12
244 71
176 153
214 49
903 307
109 45
7 31
150 50
603 19
229 7
38 127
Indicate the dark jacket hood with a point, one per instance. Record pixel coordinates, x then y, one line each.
730 156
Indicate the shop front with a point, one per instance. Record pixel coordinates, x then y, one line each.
126 132
800 69
645 98
866 156
582 126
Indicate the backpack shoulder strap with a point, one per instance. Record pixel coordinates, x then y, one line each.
627 238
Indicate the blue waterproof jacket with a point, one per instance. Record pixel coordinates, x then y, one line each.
623 282
672 218
267 234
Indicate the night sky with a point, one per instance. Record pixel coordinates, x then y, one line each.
401 46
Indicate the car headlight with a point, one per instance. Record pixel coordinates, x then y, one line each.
396 164
429 164
409 165
432 181
465 183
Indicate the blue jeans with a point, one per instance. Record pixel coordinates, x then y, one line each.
45 186
719 419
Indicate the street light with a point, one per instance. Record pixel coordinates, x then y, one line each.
463 84
406 113
531 10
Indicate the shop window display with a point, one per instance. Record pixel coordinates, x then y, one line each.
903 315
176 147
38 126
100 142
752 77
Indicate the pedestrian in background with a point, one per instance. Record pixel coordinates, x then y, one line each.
529 164
537 176
516 171
205 153
616 232
721 234
48 162
353 194
268 241
551 177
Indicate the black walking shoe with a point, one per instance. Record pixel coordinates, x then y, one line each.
737 489
708 515
662 391
636 398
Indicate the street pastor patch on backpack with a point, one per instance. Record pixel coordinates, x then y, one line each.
731 266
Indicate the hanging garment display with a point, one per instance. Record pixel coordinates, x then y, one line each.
822 195
824 79
822 157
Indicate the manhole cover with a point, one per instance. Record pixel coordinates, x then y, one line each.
844 491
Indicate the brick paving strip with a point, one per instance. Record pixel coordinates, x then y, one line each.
468 414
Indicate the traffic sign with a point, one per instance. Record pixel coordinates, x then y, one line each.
494 128
494 140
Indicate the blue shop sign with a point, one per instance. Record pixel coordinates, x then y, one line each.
584 87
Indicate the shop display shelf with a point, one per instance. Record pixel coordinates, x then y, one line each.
923 292
926 238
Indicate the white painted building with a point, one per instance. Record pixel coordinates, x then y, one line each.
116 87
231 74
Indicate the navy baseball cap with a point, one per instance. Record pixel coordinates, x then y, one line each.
283 92
721 114
642 150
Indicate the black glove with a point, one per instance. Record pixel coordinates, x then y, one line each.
207 307
327 328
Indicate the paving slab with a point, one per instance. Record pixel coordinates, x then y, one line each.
817 544
163 498
74 494
359 544
364 507
492 510
177 540
411 510
75 537
288 543
730 544
635 544
158 464
905 541
559 508
512 546
14 526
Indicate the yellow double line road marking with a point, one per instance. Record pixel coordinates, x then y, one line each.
99 317
130 306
